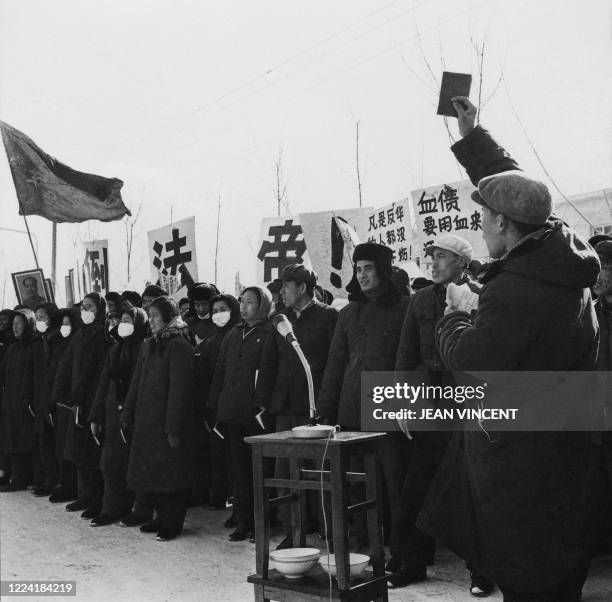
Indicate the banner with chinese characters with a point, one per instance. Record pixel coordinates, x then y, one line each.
449 209
331 237
172 254
95 267
390 226
281 243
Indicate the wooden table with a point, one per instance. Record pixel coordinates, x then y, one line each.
336 452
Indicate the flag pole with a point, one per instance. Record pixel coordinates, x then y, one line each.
31 243
54 253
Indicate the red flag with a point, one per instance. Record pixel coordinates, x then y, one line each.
53 190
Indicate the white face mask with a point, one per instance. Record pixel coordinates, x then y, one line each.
221 318
41 326
125 329
87 316
65 330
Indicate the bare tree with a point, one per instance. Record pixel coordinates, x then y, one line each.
129 222
281 185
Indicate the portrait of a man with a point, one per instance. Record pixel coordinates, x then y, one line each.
30 288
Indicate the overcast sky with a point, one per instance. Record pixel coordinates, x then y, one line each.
188 100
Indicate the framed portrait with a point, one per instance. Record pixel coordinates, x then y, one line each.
30 288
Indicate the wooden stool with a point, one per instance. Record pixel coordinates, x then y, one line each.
337 450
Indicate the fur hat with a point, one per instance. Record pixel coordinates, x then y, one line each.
372 251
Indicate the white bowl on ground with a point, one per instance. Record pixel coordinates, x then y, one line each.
293 563
357 564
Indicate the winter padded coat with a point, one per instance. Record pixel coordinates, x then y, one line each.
314 330
160 403
366 339
75 386
16 422
521 506
244 375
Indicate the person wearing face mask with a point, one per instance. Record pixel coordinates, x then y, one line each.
111 325
106 410
240 394
200 324
6 338
39 384
66 488
225 314
15 414
75 386
159 412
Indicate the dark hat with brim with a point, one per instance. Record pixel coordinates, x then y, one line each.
296 272
516 196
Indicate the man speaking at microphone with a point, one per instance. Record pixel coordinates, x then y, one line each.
313 326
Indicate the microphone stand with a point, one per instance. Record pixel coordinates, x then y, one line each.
311 403
312 430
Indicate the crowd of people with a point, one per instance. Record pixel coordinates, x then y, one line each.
134 408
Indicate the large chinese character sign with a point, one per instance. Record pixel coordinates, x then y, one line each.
282 243
172 253
446 209
95 267
390 226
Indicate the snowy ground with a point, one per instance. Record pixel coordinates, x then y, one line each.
40 541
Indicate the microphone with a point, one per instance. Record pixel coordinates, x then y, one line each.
284 328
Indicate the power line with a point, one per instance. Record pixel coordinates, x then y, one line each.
296 56
537 155
283 63
320 57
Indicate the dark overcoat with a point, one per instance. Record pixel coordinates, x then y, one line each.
314 330
365 339
108 405
244 375
160 402
75 386
521 506
16 421
63 416
41 375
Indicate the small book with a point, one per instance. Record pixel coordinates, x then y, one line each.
453 84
